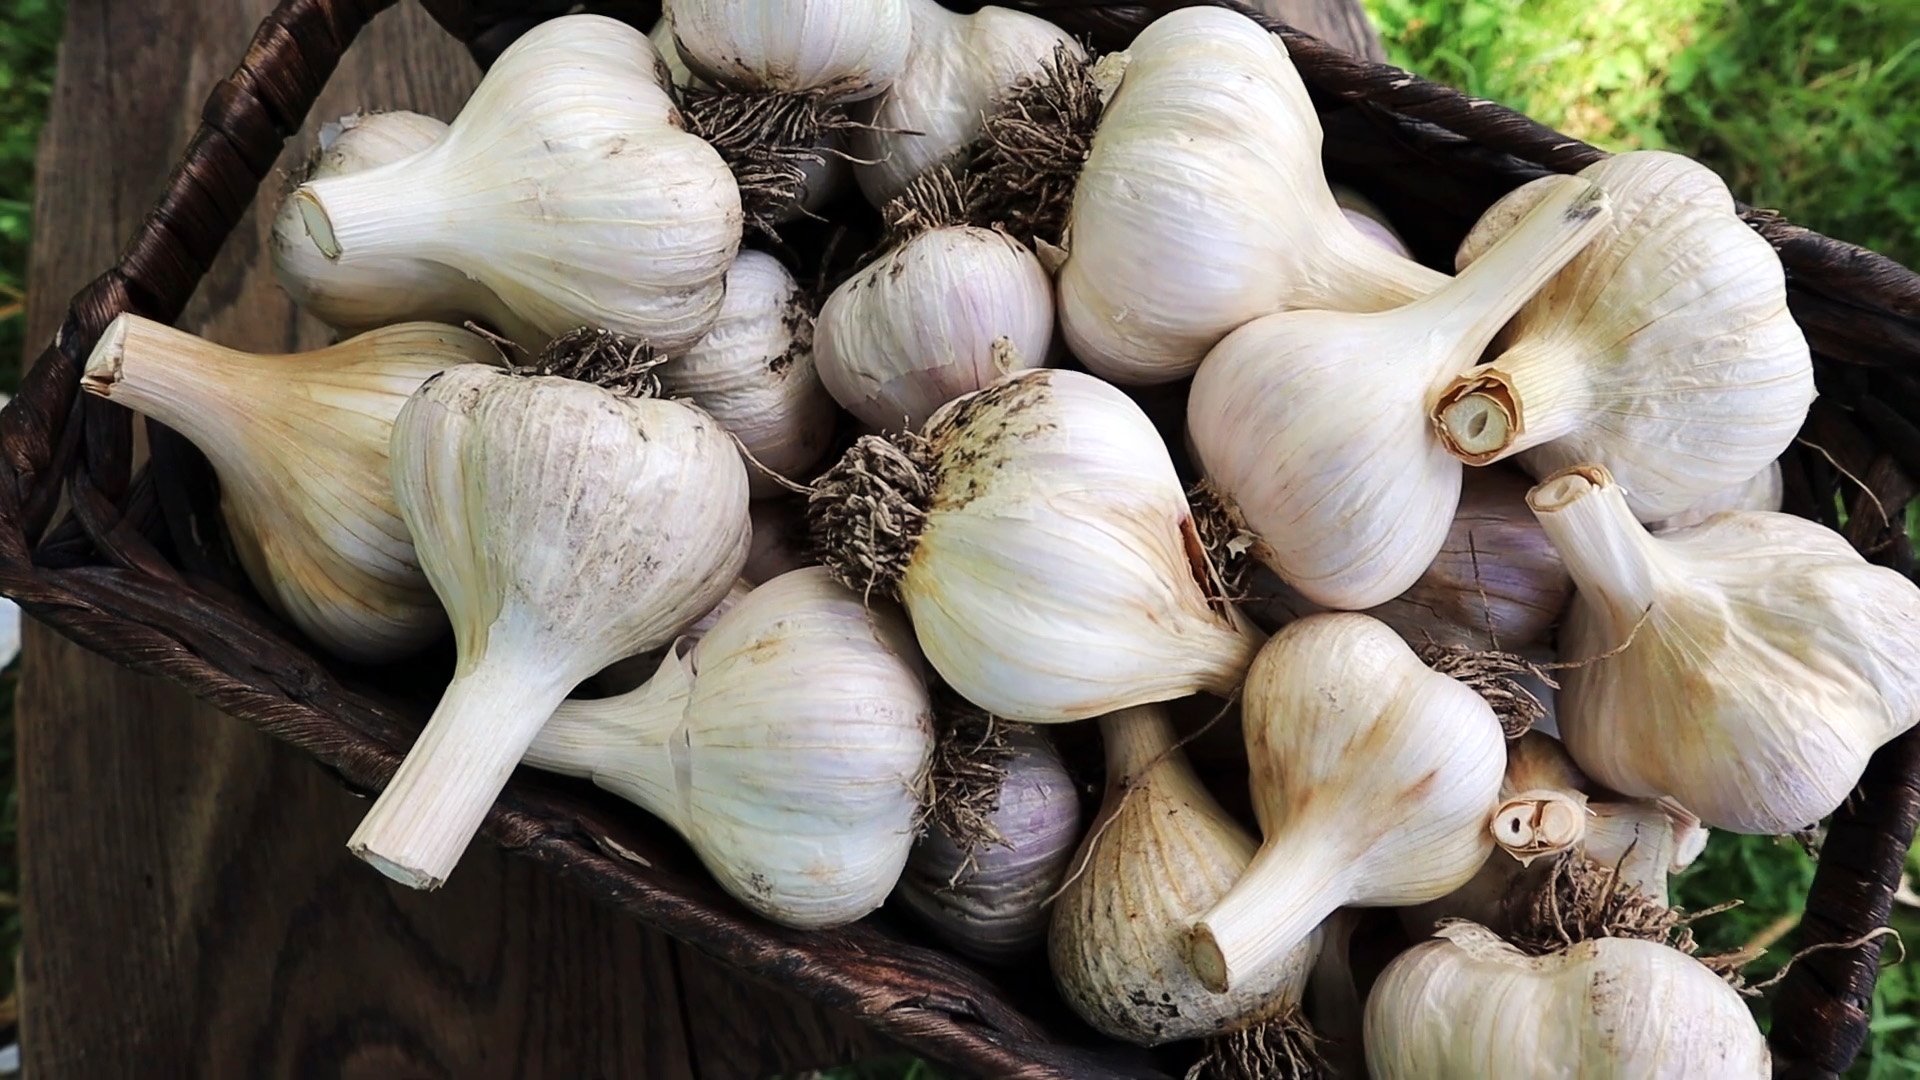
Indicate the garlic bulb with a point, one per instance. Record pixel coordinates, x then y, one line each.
958 68
1202 207
564 527
566 187
754 373
1373 778
1160 853
1765 490
1664 351
780 541
788 747
1042 545
1772 660
299 444
841 51
940 315
991 903
1468 1006
352 297
624 675
1313 424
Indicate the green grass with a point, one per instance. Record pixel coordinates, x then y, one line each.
29 33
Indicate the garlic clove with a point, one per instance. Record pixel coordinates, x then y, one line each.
958 69
789 747
564 527
943 314
754 373
845 51
1042 545
1176 240
1374 778
299 444
1665 351
1747 667
1160 853
636 220
1468 1006
1765 490
1349 496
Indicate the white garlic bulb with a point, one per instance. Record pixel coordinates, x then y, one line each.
754 373
1042 545
1664 352
1469 1006
845 50
789 747
352 296
1765 490
567 187
1203 206
1373 778
940 315
1313 424
1160 853
1770 660
564 527
959 67
299 444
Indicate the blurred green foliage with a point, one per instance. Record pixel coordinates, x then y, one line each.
29 37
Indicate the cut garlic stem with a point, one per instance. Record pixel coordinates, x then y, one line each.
1539 392
1291 886
1611 557
1536 823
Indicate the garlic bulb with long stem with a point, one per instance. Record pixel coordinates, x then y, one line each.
1042 545
567 187
1373 778
989 900
1349 495
949 309
789 747
1765 490
754 373
1158 855
1469 1006
564 527
958 69
1746 667
353 297
299 444
1664 351
1203 206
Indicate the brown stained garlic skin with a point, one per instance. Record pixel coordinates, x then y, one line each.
1158 855
992 905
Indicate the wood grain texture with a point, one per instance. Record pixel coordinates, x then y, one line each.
190 907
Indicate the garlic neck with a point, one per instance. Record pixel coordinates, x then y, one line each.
1294 882
1372 278
378 212
634 745
1137 740
1537 391
1611 556
214 396
1464 316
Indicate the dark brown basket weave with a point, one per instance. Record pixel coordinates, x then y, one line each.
125 574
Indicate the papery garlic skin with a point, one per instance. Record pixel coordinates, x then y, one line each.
841 51
1765 490
354 297
992 905
661 37
1203 206
564 527
1772 661
1373 778
959 67
1160 853
567 187
1468 1006
299 444
1664 352
1052 578
754 373
1313 424
789 747
941 315
624 675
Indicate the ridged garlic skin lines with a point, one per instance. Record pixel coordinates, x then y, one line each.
846 51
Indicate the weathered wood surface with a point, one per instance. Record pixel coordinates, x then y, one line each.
190 906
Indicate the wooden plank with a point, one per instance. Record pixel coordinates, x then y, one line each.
190 907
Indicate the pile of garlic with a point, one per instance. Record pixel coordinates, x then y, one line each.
782 505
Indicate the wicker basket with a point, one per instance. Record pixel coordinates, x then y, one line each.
126 570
